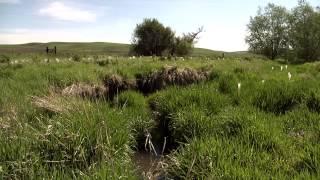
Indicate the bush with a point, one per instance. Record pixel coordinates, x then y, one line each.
152 38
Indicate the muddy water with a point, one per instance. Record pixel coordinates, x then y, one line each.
146 162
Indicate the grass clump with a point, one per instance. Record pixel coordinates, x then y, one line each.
116 84
186 112
241 144
134 105
227 84
169 76
4 59
85 91
279 96
313 102
130 99
89 140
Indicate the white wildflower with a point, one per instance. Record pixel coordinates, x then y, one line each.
286 67
263 81
239 86
272 68
281 68
49 129
289 76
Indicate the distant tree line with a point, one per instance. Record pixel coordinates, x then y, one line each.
277 32
151 38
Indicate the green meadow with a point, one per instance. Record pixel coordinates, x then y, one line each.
248 119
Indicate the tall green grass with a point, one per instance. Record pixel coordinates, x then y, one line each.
267 129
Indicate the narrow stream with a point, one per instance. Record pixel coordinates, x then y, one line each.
147 163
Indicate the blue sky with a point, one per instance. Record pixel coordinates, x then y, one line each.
224 22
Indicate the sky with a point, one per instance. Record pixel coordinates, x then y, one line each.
224 21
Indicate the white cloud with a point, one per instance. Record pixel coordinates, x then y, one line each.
224 38
10 1
41 35
60 11
113 33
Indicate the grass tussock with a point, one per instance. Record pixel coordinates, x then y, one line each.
167 76
116 84
85 91
51 104
280 97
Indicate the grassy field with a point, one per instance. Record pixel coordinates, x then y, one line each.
95 48
238 118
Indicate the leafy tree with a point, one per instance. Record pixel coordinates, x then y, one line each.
268 31
184 45
152 38
305 31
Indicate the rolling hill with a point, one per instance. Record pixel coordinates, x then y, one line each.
91 48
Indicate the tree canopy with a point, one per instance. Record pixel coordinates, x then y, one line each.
269 31
275 32
153 38
305 31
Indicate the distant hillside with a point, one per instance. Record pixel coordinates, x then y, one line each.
86 48
69 47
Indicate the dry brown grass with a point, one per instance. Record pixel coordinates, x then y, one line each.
85 91
51 103
116 84
169 76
